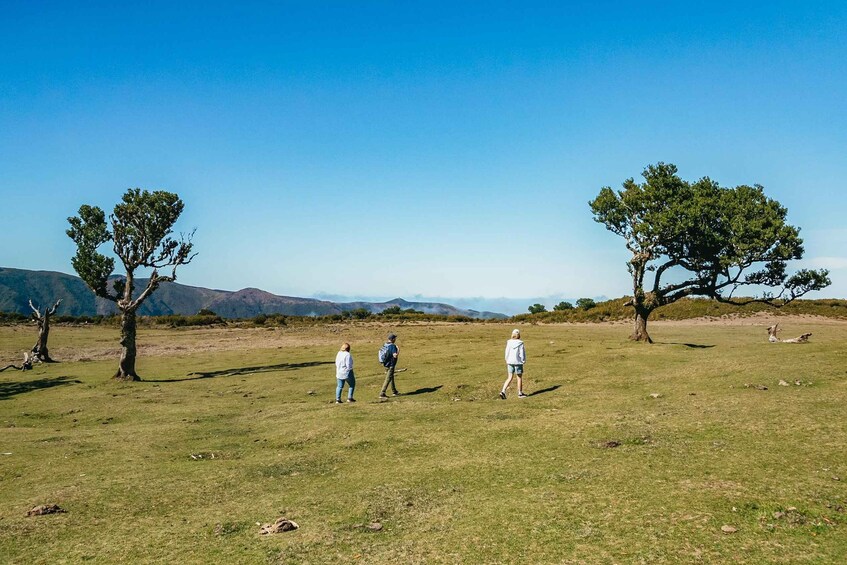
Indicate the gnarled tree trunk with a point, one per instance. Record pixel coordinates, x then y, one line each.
639 332
643 303
126 369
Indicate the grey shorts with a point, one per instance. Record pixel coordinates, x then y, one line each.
515 369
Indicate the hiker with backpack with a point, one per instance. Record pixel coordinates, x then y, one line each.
344 373
515 359
388 357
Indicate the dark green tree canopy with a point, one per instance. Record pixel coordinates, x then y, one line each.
561 306
707 239
141 228
585 303
89 231
392 310
537 309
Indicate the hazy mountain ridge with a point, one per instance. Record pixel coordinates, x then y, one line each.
506 305
17 286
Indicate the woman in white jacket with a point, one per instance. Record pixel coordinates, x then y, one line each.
344 373
515 359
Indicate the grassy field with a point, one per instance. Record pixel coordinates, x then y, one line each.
623 452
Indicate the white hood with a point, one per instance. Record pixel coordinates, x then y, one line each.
515 352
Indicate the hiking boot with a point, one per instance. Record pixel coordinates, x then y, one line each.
338 401
503 394
351 400
522 395
383 396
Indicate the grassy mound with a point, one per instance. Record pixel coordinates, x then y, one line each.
690 308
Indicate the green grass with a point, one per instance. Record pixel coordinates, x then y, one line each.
452 473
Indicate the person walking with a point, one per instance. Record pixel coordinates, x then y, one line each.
515 359
391 352
344 373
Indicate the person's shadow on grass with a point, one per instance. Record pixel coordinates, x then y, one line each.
424 390
543 390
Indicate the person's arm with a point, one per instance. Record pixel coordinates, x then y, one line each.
523 354
507 352
350 361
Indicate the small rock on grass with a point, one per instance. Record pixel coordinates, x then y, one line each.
43 509
727 529
373 526
281 525
782 383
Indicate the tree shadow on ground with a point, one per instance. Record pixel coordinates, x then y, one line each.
543 390
424 390
243 371
10 389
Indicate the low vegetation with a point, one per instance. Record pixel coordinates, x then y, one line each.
606 311
690 308
687 451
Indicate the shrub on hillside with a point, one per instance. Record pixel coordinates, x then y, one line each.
360 313
585 303
177 321
391 310
78 319
12 317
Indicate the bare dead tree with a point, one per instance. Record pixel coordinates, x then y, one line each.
39 350
773 338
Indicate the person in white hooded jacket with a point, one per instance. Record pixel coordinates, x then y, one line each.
515 359
344 373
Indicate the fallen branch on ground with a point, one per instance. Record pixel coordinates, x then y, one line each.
29 359
773 338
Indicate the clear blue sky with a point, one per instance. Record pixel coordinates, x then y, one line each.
309 140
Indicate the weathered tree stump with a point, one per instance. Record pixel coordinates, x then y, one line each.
43 321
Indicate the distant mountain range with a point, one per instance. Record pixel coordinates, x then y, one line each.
506 305
18 286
